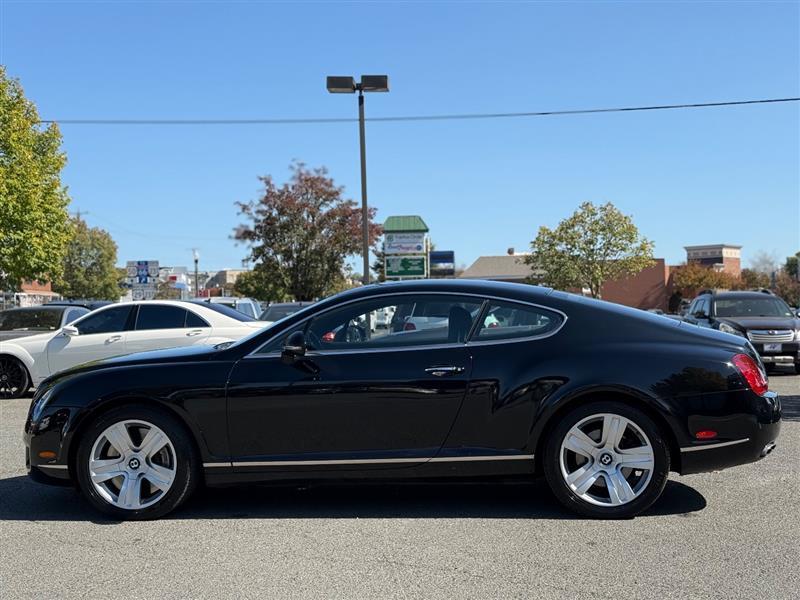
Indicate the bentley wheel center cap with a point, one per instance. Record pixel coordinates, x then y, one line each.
606 459
134 463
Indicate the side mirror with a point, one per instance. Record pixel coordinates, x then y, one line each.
294 348
70 330
700 315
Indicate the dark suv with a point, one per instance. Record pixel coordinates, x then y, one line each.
760 316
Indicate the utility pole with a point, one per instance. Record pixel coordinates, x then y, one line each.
78 213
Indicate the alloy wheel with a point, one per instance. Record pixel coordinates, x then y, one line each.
606 460
132 464
13 378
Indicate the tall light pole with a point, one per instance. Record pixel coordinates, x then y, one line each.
348 85
196 256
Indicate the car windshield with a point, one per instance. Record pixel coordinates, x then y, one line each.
277 312
752 307
42 319
224 310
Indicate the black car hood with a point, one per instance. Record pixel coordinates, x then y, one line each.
167 355
748 323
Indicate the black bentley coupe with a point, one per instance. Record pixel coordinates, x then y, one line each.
481 380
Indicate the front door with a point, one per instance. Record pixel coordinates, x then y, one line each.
101 334
359 398
160 326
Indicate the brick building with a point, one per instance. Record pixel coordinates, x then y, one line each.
720 257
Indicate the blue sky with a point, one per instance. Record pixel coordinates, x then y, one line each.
687 177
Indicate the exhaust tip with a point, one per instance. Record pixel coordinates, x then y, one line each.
767 449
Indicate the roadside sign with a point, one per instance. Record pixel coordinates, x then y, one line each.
443 263
404 243
406 266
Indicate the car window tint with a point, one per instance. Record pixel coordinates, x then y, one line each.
104 321
193 320
418 320
277 344
247 309
74 313
154 316
702 307
229 312
25 319
752 307
508 320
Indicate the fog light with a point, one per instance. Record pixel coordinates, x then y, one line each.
705 434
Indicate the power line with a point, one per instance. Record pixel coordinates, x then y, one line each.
445 117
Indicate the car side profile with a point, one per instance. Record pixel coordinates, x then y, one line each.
516 381
114 330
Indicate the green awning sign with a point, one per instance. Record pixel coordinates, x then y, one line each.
405 266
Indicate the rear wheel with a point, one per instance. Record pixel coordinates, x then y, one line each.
136 462
14 379
606 460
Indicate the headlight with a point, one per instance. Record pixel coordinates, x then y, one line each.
39 404
725 328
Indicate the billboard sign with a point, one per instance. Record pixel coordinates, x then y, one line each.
405 266
142 276
404 243
443 263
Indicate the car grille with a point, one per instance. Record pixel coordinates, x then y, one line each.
770 336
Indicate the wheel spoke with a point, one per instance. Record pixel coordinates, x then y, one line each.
154 441
613 429
582 479
619 490
130 492
118 436
637 458
103 470
160 477
580 443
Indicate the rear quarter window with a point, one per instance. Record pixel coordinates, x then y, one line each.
509 320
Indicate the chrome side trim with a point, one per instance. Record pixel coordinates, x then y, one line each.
371 461
713 446
217 464
256 354
62 467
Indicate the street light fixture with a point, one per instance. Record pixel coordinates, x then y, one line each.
348 85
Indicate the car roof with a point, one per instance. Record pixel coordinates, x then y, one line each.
466 286
742 294
40 307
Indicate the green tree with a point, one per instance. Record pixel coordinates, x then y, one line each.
89 268
301 233
596 244
34 223
792 266
751 279
689 279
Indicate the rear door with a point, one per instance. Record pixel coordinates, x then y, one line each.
360 399
165 326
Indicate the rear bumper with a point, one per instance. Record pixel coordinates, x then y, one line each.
788 354
747 438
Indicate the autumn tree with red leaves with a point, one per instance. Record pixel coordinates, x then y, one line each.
300 235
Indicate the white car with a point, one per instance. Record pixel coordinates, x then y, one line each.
117 329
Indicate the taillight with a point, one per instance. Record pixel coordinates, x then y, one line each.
751 373
409 327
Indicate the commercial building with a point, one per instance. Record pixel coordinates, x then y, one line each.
720 257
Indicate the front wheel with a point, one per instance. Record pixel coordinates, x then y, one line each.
606 460
136 463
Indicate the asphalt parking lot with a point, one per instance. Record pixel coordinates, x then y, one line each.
730 534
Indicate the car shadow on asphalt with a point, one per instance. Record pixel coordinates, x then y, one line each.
24 500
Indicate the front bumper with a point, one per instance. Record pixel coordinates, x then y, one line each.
744 438
46 458
788 354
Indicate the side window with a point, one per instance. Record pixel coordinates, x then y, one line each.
279 342
702 306
247 309
155 316
395 321
105 321
195 320
692 307
74 313
507 320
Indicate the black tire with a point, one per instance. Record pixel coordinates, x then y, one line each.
186 462
14 378
647 495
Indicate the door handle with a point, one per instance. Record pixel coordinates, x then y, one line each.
444 370
113 338
194 332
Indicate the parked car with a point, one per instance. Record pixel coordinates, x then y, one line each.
113 330
246 306
90 304
279 310
32 320
602 399
760 316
